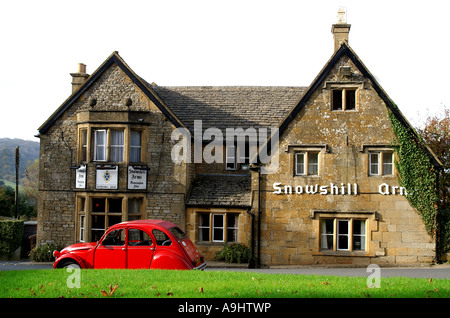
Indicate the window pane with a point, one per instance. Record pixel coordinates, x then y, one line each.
203 227
327 233
232 227
161 238
98 205
84 145
100 145
342 240
115 205
138 238
350 100
299 163
337 100
387 164
373 158
135 146
117 145
359 235
114 219
218 227
313 163
115 238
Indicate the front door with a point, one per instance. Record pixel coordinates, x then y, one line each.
140 249
111 253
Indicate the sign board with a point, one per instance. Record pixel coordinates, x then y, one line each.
80 182
137 178
107 177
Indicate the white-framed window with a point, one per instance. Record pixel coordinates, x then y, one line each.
306 163
343 234
117 144
100 144
381 163
218 227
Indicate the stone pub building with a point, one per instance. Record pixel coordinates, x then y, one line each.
331 197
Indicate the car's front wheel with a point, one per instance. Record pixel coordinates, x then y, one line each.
70 264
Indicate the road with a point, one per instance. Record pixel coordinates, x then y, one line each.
438 271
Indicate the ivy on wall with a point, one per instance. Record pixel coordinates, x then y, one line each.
416 173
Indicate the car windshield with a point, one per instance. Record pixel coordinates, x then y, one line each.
179 234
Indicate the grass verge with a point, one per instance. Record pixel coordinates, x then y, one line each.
207 284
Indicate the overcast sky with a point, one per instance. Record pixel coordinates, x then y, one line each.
405 44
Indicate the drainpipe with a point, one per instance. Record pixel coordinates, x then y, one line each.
258 257
251 264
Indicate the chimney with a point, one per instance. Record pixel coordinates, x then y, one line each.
341 29
79 77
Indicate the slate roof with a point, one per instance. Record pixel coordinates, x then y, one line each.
230 106
221 191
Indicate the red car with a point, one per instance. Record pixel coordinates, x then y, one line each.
135 244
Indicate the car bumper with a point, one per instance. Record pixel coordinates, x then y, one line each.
201 266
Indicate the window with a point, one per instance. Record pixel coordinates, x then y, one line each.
105 212
117 144
115 238
161 238
100 145
343 234
381 163
82 228
306 163
344 99
135 146
84 145
218 227
138 237
134 208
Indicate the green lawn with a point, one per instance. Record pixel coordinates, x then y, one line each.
206 284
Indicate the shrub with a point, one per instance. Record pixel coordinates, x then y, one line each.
44 252
11 232
234 253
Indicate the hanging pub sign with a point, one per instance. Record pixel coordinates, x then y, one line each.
80 182
107 177
137 178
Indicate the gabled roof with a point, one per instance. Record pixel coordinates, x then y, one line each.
145 87
346 50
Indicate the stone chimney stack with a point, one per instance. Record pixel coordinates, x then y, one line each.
341 29
79 77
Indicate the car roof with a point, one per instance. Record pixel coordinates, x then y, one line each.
162 223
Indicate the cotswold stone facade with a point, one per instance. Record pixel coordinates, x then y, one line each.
111 152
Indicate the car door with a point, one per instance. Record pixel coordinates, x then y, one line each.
140 249
111 252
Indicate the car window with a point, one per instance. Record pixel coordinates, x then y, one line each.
138 237
177 232
115 238
161 238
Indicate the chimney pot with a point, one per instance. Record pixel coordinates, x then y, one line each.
81 68
341 29
79 77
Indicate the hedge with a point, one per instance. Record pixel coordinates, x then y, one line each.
11 232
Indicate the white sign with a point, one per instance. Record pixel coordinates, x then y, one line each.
80 182
107 177
137 178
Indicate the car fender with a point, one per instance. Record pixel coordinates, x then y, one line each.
166 259
67 257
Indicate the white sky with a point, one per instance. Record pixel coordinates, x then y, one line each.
405 44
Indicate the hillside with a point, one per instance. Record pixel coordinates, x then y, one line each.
29 151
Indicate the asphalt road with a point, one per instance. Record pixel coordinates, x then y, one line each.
437 271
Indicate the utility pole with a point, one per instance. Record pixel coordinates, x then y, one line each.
17 183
